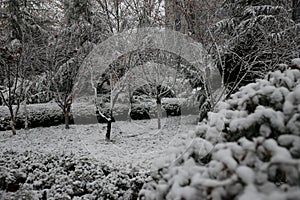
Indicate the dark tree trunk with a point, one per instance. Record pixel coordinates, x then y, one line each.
108 130
204 109
12 120
67 119
12 125
296 11
67 110
158 104
26 114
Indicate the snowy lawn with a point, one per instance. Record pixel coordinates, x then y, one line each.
135 145
55 163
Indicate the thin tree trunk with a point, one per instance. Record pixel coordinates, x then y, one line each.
129 104
12 120
67 119
108 130
26 113
128 114
67 110
117 15
12 125
158 106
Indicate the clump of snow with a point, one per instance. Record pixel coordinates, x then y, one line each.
225 156
296 62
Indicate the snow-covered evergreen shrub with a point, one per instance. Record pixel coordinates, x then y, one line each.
172 106
249 148
39 115
140 112
33 175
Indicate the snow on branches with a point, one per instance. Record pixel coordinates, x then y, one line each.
256 152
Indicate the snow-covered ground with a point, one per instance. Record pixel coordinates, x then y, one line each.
135 145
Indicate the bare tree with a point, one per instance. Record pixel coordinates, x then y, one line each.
121 15
14 72
106 100
62 83
155 81
67 49
64 61
191 17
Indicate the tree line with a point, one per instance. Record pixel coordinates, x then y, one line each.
43 43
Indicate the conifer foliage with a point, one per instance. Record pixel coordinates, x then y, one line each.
258 35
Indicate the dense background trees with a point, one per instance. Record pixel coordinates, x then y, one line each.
247 141
46 41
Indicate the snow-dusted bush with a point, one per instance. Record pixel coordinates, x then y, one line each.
31 175
49 114
249 148
172 106
39 115
140 112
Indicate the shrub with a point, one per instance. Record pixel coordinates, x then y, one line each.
39 115
32 175
172 106
248 148
140 112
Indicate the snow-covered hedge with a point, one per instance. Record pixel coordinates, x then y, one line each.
49 114
32 175
39 115
249 148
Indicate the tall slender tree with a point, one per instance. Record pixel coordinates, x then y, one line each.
23 33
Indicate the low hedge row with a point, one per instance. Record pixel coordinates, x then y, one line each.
49 114
39 115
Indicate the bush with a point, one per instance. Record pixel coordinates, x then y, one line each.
139 112
49 114
32 175
39 115
172 106
248 148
